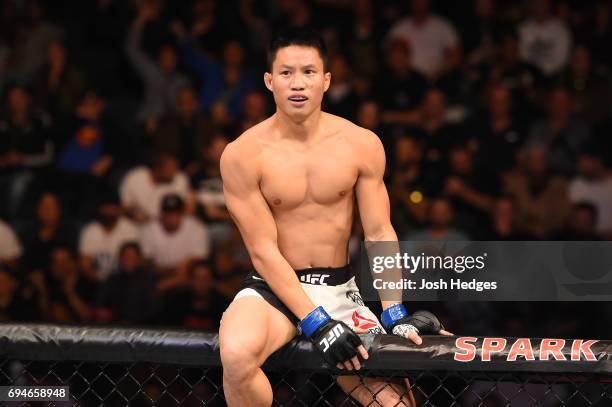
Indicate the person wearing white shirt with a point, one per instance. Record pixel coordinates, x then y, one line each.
434 43
594 185
544 40
100 240
142 188
10 248
173 242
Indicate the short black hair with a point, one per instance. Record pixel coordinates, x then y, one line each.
301 36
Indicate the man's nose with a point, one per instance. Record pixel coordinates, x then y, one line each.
297 83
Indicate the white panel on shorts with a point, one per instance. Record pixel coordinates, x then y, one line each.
247 292
344 303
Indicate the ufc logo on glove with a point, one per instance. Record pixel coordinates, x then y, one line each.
331 337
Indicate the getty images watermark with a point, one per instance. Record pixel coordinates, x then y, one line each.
423 262
487 271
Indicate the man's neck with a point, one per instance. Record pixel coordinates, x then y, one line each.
304 129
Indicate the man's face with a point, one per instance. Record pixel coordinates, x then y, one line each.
18 100
368 115
201 280
62 263
298 80
441 213
166 170
49 209
130 260
187 102
589 166
167 59
499 100
171 220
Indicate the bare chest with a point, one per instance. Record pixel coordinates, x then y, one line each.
323 176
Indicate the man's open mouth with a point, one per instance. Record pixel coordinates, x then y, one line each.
298 98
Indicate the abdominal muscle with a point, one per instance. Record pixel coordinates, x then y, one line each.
315 236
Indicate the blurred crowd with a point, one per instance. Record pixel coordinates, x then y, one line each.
496 118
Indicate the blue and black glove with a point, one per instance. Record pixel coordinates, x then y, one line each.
336 341
396 320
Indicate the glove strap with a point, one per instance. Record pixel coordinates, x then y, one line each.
313 321
392 315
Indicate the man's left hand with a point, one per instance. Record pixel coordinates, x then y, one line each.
396 320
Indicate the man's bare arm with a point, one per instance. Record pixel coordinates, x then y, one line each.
252 215
374 207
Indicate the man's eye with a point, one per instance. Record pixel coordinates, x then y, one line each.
284 73
309 71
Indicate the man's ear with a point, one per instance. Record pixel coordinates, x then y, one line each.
268 80
327 81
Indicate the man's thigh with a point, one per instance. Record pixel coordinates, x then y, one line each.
254 326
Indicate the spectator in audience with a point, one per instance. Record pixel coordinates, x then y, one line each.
17 301
173 242
594 185
542 200
94 149
142 188
184 133
224 85
439 219
545 40
363 39
482 32
26 148
255 110
582 224
597 34
197 306
503 222
161 79
32 41
561 134
409 185
128 296
436 131
340 99
524 80
61 83
470 191
101 239
500 135
401 89
10 247
590 90
48 230
68 295
436 51
206 28
208 188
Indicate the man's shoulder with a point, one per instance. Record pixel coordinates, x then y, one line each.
136 173
357 136
244 150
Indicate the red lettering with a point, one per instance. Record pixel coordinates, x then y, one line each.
491 345
578 346
470 350
552 347
522 346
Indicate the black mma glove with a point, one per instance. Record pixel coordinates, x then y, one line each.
336 341
395 319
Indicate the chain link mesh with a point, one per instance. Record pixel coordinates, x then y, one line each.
148 384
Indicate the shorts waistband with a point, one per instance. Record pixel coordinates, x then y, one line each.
321 275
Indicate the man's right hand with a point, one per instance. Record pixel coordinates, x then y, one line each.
339 345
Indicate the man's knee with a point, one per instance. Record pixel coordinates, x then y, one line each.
238 357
